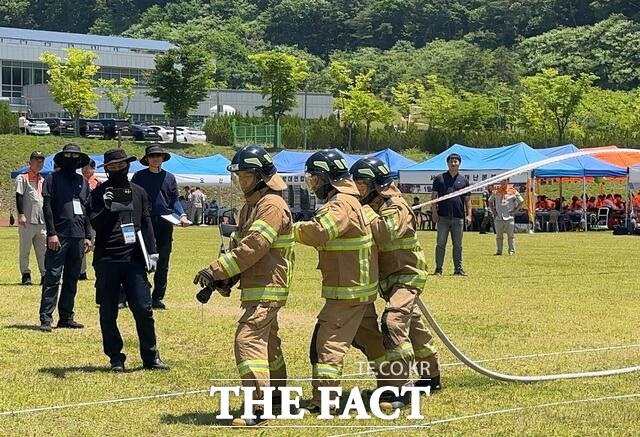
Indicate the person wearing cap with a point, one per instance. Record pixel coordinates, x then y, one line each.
262 257
403 275
504 202
162 188
88 171
450 215
119 260
341 232
66 195
31 228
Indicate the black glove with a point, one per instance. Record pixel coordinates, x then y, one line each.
204 278
107 197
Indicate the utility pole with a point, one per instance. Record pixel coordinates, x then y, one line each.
304 146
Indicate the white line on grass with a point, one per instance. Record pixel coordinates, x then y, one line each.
106 401
383 428
193 392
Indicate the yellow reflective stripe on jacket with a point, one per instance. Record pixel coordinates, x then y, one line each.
401 352
276 364
426 351
253 366
283 241
229 265
357 292
264 229
363 261
327 371
329 225
348 244
407 243
264 293
417 281
377 362
369 214
389 216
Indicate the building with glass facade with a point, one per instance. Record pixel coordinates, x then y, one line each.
24 77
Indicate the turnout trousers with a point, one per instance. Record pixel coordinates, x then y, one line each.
111 277
341 324
406 338
257 347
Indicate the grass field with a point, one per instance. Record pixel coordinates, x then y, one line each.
560 293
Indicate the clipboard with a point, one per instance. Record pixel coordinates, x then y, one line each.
145 253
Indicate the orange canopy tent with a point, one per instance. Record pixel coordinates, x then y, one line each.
620 158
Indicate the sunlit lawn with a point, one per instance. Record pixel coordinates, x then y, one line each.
561 292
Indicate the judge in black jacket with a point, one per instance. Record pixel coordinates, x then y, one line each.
118 210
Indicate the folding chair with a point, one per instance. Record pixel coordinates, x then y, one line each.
602 221
226 231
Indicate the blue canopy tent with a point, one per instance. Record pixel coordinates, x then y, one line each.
583 167
478 164
209 170
291 164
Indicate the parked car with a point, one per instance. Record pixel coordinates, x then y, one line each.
144 133
112 128
59 126
190 135
91 128
166 133
39 127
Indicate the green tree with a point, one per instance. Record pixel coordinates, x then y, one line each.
282 76
558 94
71 83
181 80
8 119
405 97
361 105
437 103
119 92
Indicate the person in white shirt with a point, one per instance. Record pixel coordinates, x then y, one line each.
504 202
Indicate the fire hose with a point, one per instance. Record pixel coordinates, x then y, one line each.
443 336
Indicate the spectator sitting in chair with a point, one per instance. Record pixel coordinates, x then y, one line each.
618 203
576 204
421 216
591 203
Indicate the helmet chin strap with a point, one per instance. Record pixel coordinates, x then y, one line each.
372 194
259 184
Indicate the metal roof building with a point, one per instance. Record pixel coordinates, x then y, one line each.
24 78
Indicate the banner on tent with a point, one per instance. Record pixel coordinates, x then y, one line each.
421 182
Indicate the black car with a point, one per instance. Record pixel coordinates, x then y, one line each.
144 133
112 127
58 126
91 128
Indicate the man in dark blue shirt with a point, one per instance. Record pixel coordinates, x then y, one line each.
450 214
162 188
65 195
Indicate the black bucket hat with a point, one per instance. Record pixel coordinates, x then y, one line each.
116 155
154 149
68 149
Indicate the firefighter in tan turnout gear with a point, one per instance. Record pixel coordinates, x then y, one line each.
262 257
403 274
348 260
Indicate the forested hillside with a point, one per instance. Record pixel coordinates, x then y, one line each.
464 69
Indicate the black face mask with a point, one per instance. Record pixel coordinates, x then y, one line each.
119 177
69 164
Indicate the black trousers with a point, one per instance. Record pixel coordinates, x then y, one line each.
67 259
163 231
111 277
